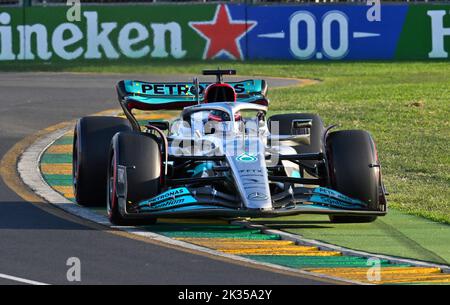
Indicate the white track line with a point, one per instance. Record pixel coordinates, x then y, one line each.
28 168
20 280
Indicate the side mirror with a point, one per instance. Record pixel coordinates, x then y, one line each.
301 127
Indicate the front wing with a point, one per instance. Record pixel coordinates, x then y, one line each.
185 202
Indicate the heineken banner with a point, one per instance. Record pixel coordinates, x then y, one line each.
225 31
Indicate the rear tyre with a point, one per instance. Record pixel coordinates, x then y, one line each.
92 138
350 154
140 154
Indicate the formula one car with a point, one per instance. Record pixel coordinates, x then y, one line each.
222 158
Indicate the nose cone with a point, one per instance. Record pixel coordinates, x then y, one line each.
250 175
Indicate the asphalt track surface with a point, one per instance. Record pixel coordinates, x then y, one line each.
35 245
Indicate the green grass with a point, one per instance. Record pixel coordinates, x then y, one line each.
396 234
405 105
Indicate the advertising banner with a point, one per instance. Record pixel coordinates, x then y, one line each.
225 31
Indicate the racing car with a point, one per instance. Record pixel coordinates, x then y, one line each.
221 157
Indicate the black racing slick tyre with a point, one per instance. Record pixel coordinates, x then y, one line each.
353 170
140 155
92 138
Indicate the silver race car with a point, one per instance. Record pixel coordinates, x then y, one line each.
222 158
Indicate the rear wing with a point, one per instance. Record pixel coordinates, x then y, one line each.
177 95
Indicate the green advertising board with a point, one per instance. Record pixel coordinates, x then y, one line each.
224 31
104 32
423 24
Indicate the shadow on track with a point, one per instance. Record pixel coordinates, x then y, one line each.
19 215
295 224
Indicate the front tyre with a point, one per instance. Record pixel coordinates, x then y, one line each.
354 170
140 155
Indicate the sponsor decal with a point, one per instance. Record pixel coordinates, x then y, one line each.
250 171
223 34
170 194
334 194
174 202
169 89
89 38
257 196
426 33
332 202
171 203
246 158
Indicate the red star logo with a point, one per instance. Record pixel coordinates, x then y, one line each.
222 34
